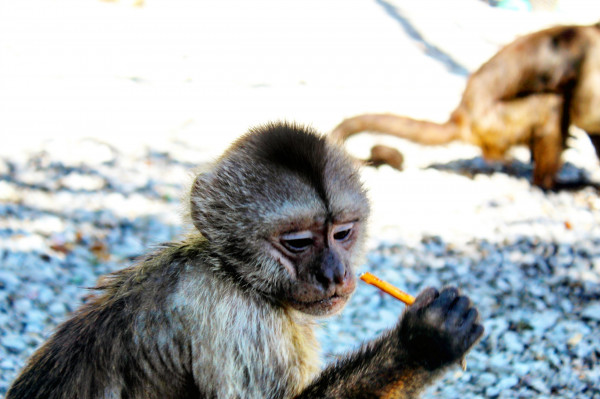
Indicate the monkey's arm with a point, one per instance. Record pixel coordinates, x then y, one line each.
435 332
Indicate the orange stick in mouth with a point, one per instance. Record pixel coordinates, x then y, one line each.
387 288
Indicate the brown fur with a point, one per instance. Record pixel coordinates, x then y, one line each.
529 93
381 154
229 312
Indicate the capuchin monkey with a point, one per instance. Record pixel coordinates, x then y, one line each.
529 93
229 311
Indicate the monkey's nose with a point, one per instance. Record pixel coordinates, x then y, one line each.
332 270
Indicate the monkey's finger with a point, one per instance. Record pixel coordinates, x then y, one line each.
458 311
474 335
426 297
446 299
470 318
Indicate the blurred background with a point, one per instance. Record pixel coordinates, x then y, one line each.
187 77
138 73
106 107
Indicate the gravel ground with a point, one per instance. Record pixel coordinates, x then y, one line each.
64 222
74 208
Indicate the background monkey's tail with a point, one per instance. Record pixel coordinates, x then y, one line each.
419 131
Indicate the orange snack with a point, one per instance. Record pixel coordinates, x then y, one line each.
387 288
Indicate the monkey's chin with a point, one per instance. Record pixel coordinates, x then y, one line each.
323 307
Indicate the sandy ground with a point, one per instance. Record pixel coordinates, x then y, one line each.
190 76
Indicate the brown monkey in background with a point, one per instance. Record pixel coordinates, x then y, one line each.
529 93
229 312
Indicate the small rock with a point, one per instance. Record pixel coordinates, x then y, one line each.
7 364
492 392
507 382
538 385
57 309
22 305
575 339
14 343
512 342
544 320
8 280
591 311
75 181
487 379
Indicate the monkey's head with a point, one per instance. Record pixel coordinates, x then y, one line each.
285 211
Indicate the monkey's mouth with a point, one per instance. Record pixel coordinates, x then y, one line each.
321 307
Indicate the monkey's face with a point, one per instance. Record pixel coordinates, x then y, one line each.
284 212
318 260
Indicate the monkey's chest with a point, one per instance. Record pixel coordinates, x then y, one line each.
303 358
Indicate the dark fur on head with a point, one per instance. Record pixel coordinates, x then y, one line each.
268 175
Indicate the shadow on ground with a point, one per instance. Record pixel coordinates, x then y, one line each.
570 177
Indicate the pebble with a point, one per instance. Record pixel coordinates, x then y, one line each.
22 306
57 309
8 280
487 379
543 321
538 385
512 342
592 311
13 343
507 382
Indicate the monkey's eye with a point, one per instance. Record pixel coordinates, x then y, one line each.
298 241
342 232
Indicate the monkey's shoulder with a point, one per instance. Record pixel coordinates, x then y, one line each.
164 265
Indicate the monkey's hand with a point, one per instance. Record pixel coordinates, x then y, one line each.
436 331
439 328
